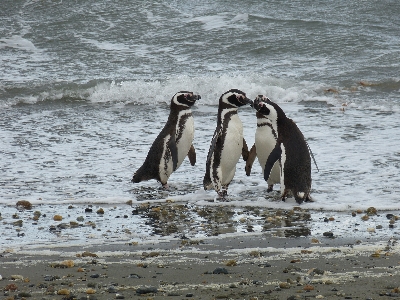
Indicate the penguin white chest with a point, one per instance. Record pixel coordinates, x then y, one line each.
184 135
232 148
166 166
265 142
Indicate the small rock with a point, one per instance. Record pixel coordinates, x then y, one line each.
284 285
63 292
57 218
220 271
147 290
111 290
11 287
328 234
24 204
24 295
95 276
49 278
119 296
189 295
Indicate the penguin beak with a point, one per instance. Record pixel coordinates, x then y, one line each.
256 104
248 101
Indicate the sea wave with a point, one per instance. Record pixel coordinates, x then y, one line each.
143 91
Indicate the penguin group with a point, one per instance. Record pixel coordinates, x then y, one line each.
279 145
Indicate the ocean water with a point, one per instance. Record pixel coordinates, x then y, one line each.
85 88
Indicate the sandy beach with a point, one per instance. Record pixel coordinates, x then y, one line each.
245 267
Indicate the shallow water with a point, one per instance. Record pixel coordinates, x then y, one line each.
85 89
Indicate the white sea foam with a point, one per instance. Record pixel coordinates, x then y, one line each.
17 42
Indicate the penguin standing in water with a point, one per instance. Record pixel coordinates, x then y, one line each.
173 143
290 149
227 143
265 141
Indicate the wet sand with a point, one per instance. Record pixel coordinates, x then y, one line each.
247 267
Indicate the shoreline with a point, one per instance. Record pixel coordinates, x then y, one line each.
180 251
221 268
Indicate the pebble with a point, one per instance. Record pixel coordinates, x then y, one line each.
49 278
328 234
220 271
146 290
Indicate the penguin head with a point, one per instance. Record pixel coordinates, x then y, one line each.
234 98
267 108
184 98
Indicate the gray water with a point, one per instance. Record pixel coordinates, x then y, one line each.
85 87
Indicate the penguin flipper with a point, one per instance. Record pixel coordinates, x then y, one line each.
192 155
250 159
174 152
272 158
245 150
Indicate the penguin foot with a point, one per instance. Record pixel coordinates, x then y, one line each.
222 195
165 187
270 188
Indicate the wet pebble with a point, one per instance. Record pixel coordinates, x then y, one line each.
220 271
147 290
135 276
24 295
95 276
328 234
111 290
119 296
50 277
264 265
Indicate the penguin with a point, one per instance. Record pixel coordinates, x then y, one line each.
227 143
291 150
172 144
265 140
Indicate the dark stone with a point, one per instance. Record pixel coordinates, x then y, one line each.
220 271
146 290
328 234
318 271
94 276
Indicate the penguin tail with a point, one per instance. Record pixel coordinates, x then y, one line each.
135 178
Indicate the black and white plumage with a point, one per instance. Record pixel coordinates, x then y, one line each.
265 141
227 143
290 149
172 144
